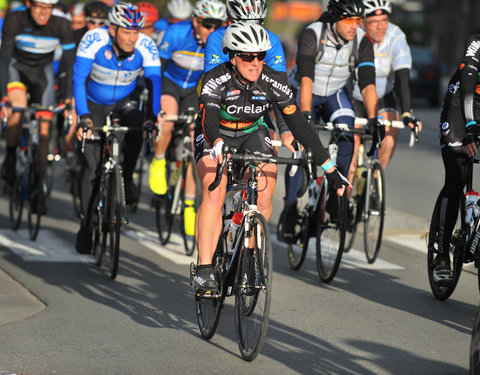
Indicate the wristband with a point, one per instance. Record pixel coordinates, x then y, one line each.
406 114
327 166
471 123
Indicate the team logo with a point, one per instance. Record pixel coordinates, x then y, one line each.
233 92
164 46
290 109
108 54
453 88
445 128
215 59
278 60
259 97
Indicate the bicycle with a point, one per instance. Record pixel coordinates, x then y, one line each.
179 162
106 205
245 274
29 184
475 346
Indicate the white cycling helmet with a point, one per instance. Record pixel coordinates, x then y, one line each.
245 36
210 9
180 9
377 7
239 10
126 15
52 2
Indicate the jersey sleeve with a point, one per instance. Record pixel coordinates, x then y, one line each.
152 72
68 57
214 55
366 63
275 58
402 58
307 46
170 41
6 50
468 78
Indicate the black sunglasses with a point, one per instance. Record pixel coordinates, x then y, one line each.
95 21
248 57
210 24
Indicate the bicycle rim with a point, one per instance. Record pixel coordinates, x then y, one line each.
138 178
15 204
115 221
375 213
163 217
456 257
36 195
331 228
298 250
253 292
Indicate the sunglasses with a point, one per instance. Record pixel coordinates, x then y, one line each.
248 57
95 21
351 20
210 25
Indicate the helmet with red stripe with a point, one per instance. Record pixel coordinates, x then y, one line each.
126 15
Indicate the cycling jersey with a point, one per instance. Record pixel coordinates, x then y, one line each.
214 55
391 54
111 79
33 46
184 54
229 108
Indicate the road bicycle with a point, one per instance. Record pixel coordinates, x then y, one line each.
29 186
179 164
105 212
241 271
463 244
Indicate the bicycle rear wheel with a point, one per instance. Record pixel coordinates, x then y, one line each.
375 212
254 289
189 240
138 177
331 228
354 213
114 221
456 252
163 216
16 199
36 195
297 251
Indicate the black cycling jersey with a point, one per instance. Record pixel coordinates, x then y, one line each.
32 45
228 107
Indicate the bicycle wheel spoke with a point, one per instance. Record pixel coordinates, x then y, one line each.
298 250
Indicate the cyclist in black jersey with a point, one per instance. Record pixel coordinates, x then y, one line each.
459 124
30 37
234 97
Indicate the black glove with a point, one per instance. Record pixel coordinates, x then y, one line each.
377 131
408 117
86 121
337 179
308 117
472 133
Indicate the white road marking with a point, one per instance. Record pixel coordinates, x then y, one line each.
412 241
48 247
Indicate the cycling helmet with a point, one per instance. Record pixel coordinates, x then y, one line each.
179 9
126 15
97 9
77 9
245 36
210 9
377 7
346 8
246 9
52 2
149 11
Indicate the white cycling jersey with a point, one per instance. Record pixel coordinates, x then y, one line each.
392 54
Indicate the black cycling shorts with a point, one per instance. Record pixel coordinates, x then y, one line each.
385 104
186 98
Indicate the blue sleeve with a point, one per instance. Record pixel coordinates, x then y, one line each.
276 56
161 24
153 74
81 70
170 41
214 55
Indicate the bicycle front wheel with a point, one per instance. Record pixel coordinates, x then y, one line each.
331 229
374 212
456 252
36 195
15 204
254 288
114 221
163 217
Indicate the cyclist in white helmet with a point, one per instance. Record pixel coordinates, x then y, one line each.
30 37
392 75
178 10
232 103
182 52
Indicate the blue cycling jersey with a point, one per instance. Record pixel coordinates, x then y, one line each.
214 55
184 54
161 24
111 80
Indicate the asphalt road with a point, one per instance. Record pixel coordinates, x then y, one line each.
372 319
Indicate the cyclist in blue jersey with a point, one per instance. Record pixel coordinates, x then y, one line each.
106 68
30 36
178 10
182 53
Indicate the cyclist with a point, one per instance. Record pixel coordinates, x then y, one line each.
30 36
182 52
151 16
328 51
178 10
233 99
107 65
96 15
77 13
392 68
458 123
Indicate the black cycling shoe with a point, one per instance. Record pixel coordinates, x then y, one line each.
83 242
442 274
204 278
131 193
8 168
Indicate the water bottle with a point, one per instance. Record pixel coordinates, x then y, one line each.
471 207
232 231
360 179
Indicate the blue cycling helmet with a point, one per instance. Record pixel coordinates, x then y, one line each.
126 15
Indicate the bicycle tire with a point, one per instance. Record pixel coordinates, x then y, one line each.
375 213
15 204
189 241
75 190
114 226
163 217
253 292
36 195
298 251
138 178
331 229
208 306
456 258
354 204
475 347
49 176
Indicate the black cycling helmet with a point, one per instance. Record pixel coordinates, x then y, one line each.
341 9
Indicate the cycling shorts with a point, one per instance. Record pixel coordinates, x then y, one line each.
186 98
385 104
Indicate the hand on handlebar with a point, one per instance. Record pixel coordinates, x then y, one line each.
469 142
377 131
85 123
288 140
337 179
216 152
